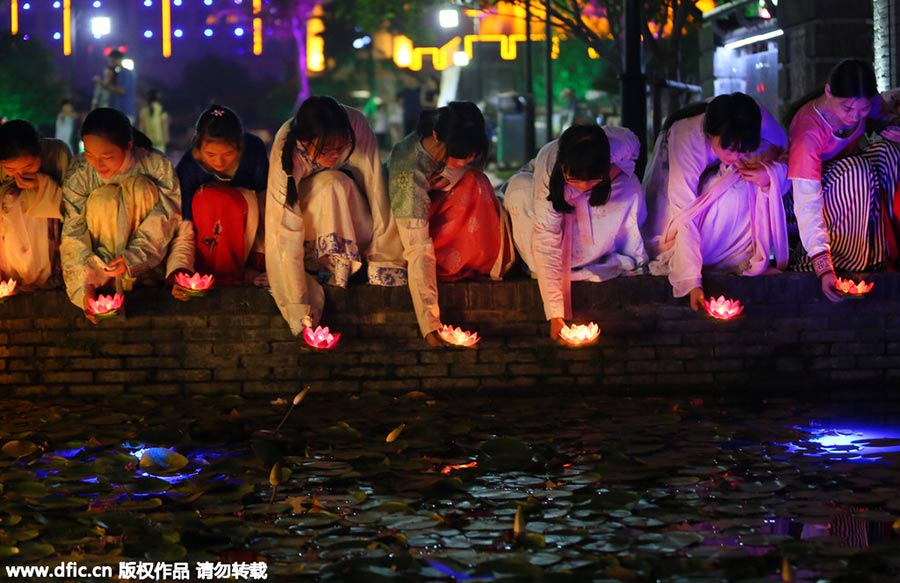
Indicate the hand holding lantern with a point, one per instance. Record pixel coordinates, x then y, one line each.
459 337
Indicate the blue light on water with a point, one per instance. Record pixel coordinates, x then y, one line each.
848 442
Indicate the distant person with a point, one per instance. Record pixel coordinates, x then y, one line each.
154 121
410 98
430 93
102 96
121 87
122 212
451 223
223 186
66 122
31 175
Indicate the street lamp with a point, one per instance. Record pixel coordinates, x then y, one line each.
460 58
448 18
101 26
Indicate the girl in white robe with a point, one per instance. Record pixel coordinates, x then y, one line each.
122 212
327 211
577 217
31 172
718 172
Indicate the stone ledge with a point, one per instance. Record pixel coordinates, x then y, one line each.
234 340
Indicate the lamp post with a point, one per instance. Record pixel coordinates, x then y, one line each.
530 146
634 84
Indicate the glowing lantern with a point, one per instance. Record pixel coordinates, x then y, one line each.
580 334
850 288
321 338
449 468
722 308
106 306
7 288
194 285
458 336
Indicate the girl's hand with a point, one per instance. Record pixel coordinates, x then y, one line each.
891 133
697 299
434 339
89 294
829 288
556 326
116 267
757 175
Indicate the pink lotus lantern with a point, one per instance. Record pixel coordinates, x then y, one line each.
196 285
850 288
106 306
458 336
7 288
722 308
580 334
321 338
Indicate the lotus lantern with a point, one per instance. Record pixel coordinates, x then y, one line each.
195 285
7 288
851 288
722 308
105 306
458 336
580 334
321 338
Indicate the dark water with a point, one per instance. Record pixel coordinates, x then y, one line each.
444 487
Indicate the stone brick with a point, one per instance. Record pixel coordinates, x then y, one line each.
477 370
451 383
422 370
67 378
714 365
218 388
116 349
31 391
155 389
834 362
650 366
408 384
389 357
96 390
152 362
685 379
122 376
241 374
95 363
183 375
51 323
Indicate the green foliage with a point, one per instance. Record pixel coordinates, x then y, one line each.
28 87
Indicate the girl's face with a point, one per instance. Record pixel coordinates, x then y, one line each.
218 155
328 153
848 110
104 156
22 168
727 156
457 163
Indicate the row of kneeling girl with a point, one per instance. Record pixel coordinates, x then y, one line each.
322 205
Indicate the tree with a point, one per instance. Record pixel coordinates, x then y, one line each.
28 87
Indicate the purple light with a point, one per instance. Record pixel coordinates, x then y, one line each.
26 37
148 34
860 443
239 31
178 33
208 32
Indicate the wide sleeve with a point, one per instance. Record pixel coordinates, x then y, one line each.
76 253
385 253
687 160
148 245
418 251
809 206
284 245
686 265
629 242
547 239
190 177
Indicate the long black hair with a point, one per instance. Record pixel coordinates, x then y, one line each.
19 137
849 78
114 126
318 120
460 126
583 155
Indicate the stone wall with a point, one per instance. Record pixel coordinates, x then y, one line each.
234 341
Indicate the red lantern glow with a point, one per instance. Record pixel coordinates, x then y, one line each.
321 338
7 288
851 288
458 336
580 334
106 306
722 308
194 285
447 469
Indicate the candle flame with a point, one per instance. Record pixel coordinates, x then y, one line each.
849 287
579 334
7 287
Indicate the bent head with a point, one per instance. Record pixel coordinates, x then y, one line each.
583 156
849 91
733 124
322 130
459 127
108 139
20 151
218 138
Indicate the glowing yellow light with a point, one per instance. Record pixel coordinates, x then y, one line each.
14 17
167 28
315 44
257 28
67 27
592 53
403 50
705 6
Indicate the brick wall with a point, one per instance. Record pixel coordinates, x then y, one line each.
234 341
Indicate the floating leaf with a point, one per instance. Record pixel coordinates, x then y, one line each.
159 460
393 435
18 449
